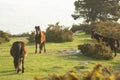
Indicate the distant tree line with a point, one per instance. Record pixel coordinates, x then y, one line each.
25 34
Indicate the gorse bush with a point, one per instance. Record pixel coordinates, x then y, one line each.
99 72
98 51
71 75
57 33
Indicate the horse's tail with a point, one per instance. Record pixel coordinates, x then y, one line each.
17 52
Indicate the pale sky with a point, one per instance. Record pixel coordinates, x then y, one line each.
18 16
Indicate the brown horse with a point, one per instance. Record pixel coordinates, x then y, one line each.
40 38
18 51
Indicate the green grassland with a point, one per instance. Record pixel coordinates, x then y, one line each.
52 61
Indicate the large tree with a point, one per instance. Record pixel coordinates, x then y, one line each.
97 10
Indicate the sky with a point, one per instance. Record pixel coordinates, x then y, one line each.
19 16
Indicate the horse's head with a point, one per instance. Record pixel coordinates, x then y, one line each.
38 30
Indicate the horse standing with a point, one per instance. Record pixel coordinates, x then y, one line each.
109 41
18 51
112 43
40 38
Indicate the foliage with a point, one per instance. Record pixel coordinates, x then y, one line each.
71 75
99 51
4 36
31 37
83 27
97 10
57 33
99 72
108 29
25 34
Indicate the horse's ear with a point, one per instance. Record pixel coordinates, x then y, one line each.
35 27
39 27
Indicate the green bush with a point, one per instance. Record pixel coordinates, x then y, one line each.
57 33
4 36
31 37
98 51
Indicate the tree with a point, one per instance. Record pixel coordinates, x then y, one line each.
97 10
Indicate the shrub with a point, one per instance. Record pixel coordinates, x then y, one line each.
57 33
4 37
31 37
99 72
98 51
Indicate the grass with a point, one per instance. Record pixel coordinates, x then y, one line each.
51 62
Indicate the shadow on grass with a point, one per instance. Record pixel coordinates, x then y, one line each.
7 72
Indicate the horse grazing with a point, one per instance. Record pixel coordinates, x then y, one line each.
18 51
40 38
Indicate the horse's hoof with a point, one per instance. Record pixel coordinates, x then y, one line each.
45 51
22 71
18 70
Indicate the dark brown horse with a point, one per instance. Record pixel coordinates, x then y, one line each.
40 38
97 36
18 51
113 43
109 41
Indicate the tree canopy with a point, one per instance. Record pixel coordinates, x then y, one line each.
97 10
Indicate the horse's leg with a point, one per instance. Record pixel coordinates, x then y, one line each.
19 63
16 64
40 47
114 49
44 47
22 65
36 48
